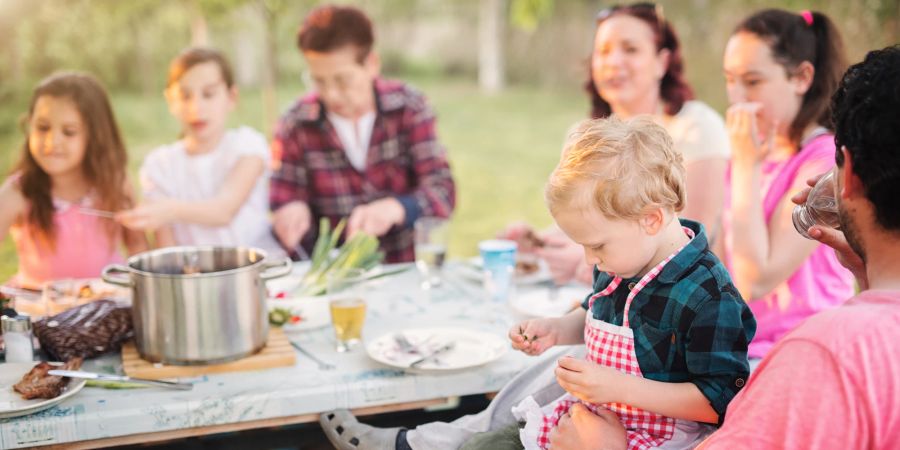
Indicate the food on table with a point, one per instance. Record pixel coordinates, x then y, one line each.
62 295
85 331
280 316
85 291
526 266
360 251
37 383
529 241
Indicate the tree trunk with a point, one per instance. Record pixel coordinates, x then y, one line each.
199 29
491 76
269 68
143 59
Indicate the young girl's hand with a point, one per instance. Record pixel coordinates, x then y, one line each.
588 381
534 336
148 216
743 130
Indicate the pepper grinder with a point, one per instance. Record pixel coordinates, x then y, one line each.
17 338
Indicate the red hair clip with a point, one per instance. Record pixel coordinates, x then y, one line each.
807 17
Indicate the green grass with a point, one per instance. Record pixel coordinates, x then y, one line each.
501 147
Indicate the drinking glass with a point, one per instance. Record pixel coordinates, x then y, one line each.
431 249
348 306
820 207
499 263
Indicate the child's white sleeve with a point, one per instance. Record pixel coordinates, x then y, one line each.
249 142
152 175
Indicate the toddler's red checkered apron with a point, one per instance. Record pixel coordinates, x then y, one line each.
613 346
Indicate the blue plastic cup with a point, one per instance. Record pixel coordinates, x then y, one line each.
499 262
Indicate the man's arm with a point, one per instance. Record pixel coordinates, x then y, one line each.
288 188
799 397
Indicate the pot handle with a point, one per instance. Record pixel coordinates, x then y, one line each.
119 281
286 266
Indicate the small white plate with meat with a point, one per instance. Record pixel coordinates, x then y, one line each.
38 382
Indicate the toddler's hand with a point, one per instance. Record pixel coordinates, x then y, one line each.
588 381
533 336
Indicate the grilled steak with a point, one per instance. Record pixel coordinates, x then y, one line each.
38 384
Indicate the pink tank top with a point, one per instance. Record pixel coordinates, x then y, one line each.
820 282
83 247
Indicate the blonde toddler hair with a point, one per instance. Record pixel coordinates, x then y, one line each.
622 168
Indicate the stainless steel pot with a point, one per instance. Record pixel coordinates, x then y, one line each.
198 305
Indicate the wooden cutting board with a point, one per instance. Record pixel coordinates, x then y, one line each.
277 353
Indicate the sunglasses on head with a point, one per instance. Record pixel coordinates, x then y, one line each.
655 8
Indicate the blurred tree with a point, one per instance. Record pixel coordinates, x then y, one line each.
270 11
491 77
527 14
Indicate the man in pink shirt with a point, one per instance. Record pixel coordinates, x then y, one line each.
834 382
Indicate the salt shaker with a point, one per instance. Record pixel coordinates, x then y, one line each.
17 338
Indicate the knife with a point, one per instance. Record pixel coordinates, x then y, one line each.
96 212
444 349
107 377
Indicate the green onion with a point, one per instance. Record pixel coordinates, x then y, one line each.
360 251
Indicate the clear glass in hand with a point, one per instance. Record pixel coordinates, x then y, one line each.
347 305
431 249
820 207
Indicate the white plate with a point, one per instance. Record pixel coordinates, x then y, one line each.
313 310
13 405
536 302
472 269
472 348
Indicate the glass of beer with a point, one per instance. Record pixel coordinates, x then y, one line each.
431 235
347 305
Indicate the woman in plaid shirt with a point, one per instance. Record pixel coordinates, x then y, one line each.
358 146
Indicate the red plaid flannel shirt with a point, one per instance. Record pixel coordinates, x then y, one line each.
405 161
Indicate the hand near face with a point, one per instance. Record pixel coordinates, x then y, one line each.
581 429
742 122
588 381
534 336
834 238
521 233
291 222
149 215
376 218
563 257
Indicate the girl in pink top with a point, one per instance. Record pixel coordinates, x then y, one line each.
73 164
780 69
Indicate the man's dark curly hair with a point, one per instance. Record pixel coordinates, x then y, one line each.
866 115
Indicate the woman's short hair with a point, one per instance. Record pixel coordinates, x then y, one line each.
332 27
